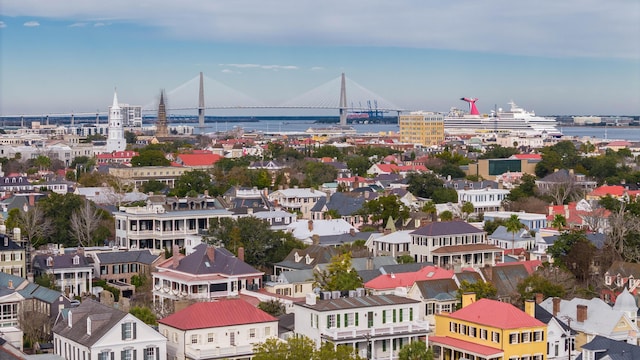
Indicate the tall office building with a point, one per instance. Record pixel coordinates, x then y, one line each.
423 128
115 138
131 115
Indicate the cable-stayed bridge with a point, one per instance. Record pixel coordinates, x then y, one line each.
203 93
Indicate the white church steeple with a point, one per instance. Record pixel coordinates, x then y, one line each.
115 140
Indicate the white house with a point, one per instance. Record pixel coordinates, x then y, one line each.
225 329
393 244
94 331
483 200
305 230
377 326
296 199
73 272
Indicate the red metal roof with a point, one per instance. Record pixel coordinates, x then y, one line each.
527 156
226 312
199 159
465 346
496 314
390 281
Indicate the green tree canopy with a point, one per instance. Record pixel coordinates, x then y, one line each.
192 182
301 348
480 288
537 284
513 224
317 173
150 157
498 152
574 252
145 314
272 307
339 275
329 151
262 246
359 165
415 350
383 207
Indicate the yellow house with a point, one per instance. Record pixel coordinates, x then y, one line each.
489 330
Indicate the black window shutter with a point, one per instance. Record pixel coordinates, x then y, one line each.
134 330
122 326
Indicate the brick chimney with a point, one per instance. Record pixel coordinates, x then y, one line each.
539 298
241 253
175 257
556 306
310 225
581 313
32 200
211 253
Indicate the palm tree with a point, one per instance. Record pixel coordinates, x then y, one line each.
559 222
513 224
430 208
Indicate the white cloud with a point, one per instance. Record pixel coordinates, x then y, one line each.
31 24
99 24
78 24
548 28
228 71
317 68
2 24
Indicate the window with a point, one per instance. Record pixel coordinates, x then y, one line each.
105 355
538 336
370 319
252 333
513 338
472 331
349 319
483 334
267 330
151 353
430 308
331 321
210 337
525 337
495 337
128 331
194 339
129 354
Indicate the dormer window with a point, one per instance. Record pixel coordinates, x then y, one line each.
49 261
297 257
76 260
308 259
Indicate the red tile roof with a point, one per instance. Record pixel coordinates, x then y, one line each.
389 168
199 159
613 190
226 312
465 346
391 281
496 314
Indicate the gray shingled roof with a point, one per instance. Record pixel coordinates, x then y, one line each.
446 228
103 319
129 256
506 278
358 302
440 289
611 349
35 291
64 261
224 263
10 246
319 254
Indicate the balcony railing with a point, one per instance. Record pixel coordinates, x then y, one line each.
207 352
387 329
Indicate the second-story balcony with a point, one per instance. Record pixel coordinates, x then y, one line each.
413 328
199 352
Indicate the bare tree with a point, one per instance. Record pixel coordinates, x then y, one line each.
34 225
84 222
621 224
35 325
596 219
562 191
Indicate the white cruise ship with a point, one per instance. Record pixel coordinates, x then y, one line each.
515 121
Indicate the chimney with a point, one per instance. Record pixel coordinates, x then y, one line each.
315 239
10 284
581 313
310 299
556 306
530 308
211 253
369 263
241 253
468 298
310 225
176 253
80 251
352 232
32 200
539 298
249 211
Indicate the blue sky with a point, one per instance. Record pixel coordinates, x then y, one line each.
554 57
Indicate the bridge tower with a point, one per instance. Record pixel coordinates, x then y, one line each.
343 102
201 103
